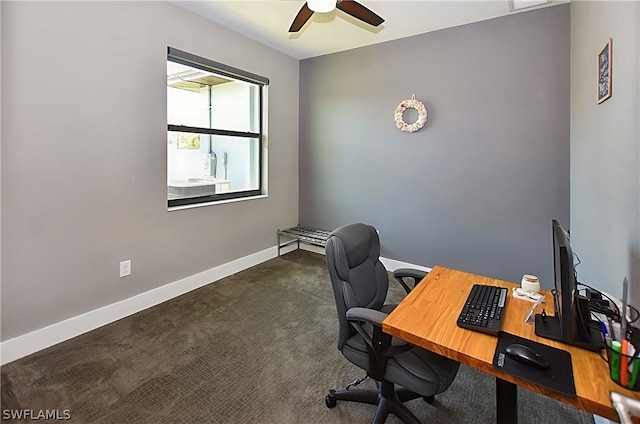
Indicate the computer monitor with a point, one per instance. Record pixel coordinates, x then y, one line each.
572 323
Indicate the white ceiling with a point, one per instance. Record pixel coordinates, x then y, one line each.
268 21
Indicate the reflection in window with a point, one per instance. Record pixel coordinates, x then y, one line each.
214 138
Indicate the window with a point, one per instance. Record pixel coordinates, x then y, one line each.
215 130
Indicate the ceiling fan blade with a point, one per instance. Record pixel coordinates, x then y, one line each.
301 18
358 11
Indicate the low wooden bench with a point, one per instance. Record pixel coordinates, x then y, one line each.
299 234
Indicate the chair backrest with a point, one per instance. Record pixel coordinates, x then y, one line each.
357 276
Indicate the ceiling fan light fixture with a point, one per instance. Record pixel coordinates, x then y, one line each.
321 6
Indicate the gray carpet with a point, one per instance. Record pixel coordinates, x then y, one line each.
256 347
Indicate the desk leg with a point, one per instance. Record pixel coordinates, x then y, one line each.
506 402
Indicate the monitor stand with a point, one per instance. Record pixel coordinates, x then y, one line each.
549 328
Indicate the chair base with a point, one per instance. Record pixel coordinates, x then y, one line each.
387 399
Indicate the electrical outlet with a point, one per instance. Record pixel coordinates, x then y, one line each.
125 268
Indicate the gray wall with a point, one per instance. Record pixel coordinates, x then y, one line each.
84 157
0 155
605 152
476 188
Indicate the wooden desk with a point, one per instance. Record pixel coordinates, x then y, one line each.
427 318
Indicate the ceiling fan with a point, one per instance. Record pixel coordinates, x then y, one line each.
350 7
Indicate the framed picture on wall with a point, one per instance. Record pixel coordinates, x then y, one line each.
604 72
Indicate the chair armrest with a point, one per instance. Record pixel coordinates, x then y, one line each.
379 344
375 318
366 315
401 273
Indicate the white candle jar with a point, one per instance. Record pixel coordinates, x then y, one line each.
530 283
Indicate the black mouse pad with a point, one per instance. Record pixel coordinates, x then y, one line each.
558 377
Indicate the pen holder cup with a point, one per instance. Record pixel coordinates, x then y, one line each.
616 361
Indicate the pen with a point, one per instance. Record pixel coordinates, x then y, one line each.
623 315
611 329
624 367
603 330
624 347
634 365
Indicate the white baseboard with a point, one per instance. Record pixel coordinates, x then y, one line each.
312 248
32 342
389 264
24 345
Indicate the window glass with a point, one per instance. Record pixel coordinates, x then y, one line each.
214 137
222 163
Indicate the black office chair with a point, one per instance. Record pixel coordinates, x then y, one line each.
360 283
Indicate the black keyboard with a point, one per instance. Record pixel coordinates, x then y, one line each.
483 309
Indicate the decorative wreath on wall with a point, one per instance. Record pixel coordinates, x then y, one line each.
413 104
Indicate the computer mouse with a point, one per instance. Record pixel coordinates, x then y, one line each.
527 356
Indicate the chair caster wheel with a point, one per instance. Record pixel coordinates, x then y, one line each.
330 399
429 399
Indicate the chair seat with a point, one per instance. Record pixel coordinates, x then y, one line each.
418 370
